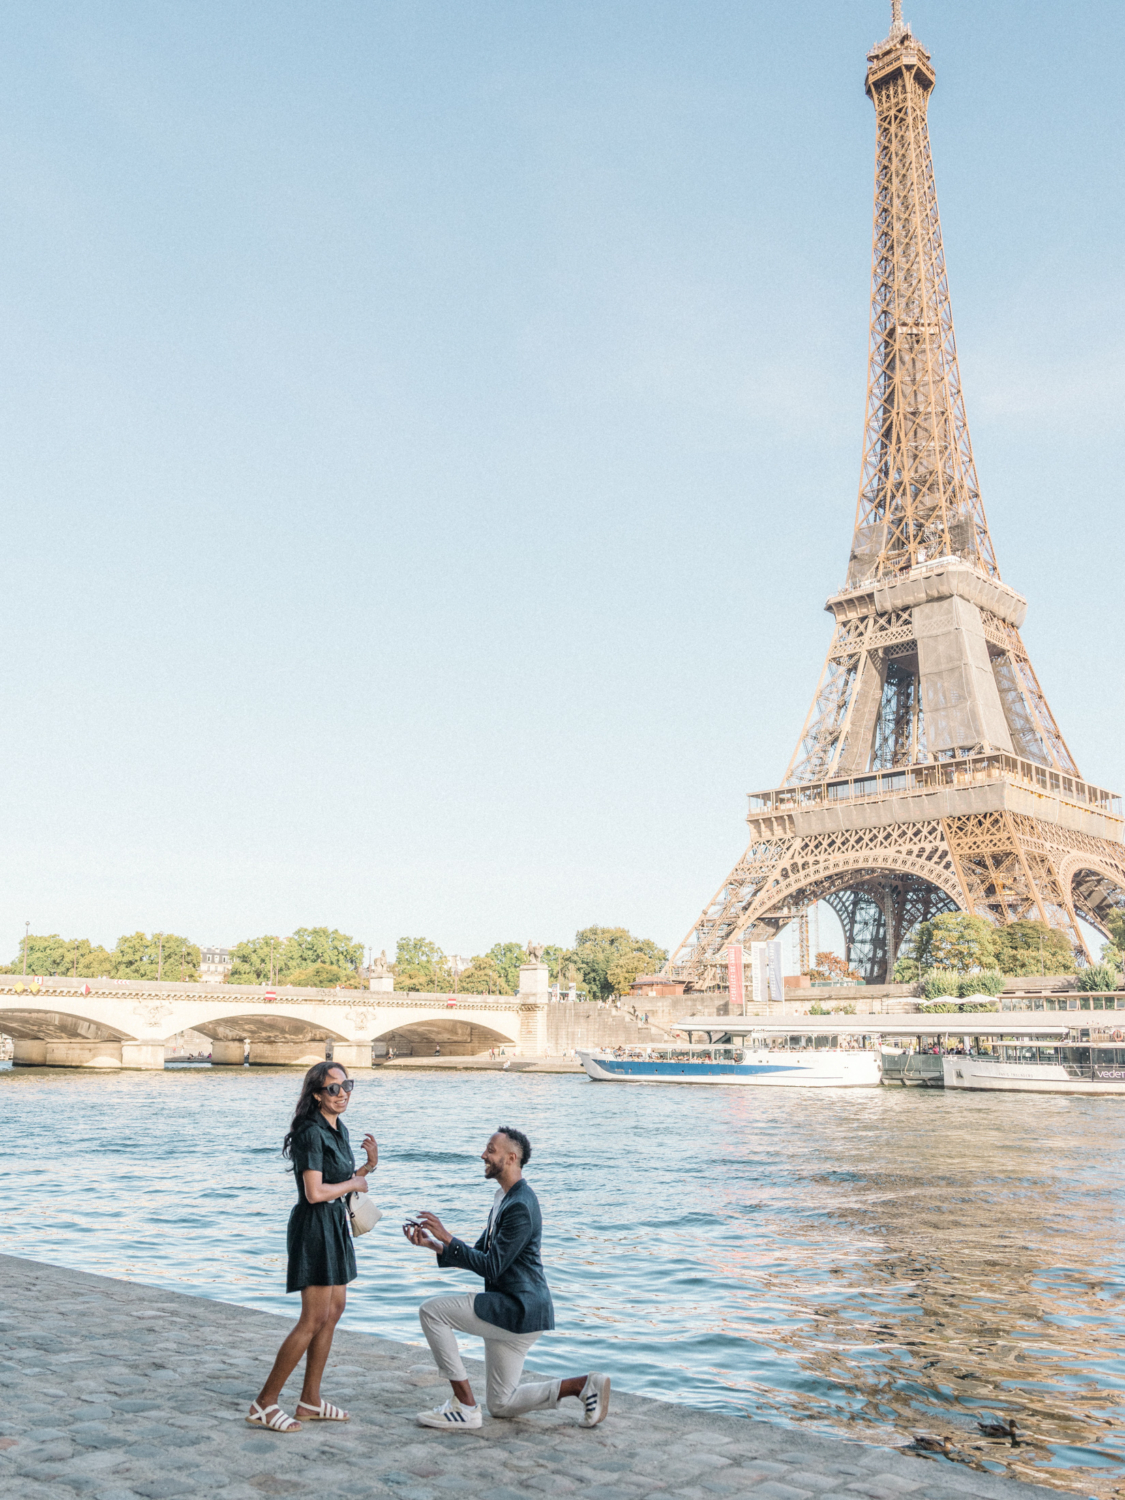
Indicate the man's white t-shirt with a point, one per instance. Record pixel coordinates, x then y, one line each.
496 1202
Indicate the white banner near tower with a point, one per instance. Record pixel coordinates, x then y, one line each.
775 970
766 980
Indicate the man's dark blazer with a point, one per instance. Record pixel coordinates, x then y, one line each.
516 1296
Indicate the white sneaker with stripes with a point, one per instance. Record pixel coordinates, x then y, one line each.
595 1400
452 1417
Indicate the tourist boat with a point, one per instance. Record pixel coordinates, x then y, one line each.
1074 1063
1006 1050
798 1057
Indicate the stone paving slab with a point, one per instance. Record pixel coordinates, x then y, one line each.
113 1391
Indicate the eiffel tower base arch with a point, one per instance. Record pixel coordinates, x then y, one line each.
879 914
884 874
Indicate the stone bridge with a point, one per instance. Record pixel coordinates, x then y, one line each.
106 1023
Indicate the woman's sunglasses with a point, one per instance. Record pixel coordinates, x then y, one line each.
332 1089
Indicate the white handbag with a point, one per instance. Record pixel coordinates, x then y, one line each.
362 1213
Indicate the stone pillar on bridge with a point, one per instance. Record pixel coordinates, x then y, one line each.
285 1054
28 1053
146 1055
228 1054
72 1054
535 980
534 991
533 1030
352 1054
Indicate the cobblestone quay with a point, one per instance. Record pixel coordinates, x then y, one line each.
115 1390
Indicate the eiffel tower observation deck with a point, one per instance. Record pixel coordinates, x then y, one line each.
930 774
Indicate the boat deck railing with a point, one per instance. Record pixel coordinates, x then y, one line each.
725 1052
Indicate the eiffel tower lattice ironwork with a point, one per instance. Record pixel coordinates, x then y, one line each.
930 774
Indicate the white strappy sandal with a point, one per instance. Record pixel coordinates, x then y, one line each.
279 1422
325 1412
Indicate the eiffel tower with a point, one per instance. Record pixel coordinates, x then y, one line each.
930 774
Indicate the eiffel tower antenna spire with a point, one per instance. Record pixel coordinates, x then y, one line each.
930 773
919 497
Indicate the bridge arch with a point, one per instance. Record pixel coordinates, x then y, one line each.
44 1035
266 1026
453 1036
270 1039
46 1023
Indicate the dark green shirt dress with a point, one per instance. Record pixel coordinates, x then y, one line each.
321 1252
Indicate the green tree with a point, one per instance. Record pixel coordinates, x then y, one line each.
484 977
955 940
250 960
421 965
305 948
990 982
1115 926
940 982
1024 948
597 948
413 978
69 957
504 960
324 977
507 958
321 945
163 955
94 961
622 971
46 954
1097 977
418 953
86 960
553 957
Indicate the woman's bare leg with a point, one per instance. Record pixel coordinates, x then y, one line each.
316 1309
317 1357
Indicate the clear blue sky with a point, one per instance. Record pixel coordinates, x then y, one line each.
431 430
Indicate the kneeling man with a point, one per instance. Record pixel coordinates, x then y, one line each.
512 1311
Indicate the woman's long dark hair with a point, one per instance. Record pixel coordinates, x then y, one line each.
315 1079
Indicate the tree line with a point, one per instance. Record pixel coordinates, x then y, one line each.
601 962
136 955
956 943
312 957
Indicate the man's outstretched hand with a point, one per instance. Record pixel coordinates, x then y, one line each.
435 1226
417 1235
429 1232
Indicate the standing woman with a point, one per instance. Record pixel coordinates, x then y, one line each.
321 1255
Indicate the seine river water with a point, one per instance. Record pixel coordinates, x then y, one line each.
874 1262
